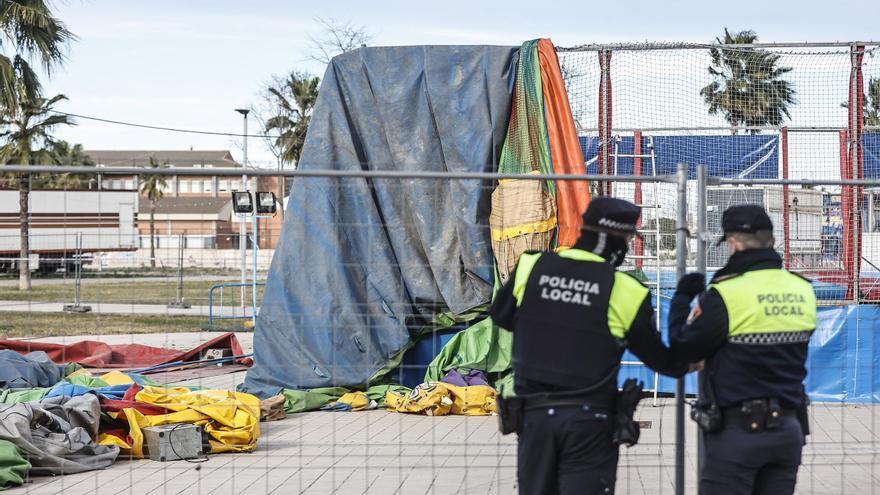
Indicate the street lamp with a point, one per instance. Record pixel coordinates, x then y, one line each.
242 228
243 206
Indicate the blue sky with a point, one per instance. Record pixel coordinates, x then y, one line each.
188 64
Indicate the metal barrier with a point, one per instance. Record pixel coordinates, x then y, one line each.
211 317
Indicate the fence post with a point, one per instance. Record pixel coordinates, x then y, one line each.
702 241
681 250
179 302
855 110
786 228
605 140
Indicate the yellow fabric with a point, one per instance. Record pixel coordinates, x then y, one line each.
81 371
231 419
768 301
357 400
116 378
522 218
440 399
526 228
105 439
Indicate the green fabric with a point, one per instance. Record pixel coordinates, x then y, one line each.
768 301
483 346
296 401
13 467
70 368
378 392
504 385
526 146
21 395
87 381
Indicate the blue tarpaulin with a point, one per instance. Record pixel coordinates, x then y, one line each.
362 262
842 364
871 155
742 156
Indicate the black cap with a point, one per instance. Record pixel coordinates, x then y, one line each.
747 219
611 215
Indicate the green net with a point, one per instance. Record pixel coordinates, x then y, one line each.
526 147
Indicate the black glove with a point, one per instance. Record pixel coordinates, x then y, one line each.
691 284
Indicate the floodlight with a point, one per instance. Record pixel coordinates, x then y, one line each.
241 202
266 202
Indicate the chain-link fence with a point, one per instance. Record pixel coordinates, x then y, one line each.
799 149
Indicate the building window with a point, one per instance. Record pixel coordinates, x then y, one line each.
208 185
223 185
185 186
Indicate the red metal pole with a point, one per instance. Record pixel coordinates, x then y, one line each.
846 195
638 243
786 221
604 162
603 142
856 119
608 112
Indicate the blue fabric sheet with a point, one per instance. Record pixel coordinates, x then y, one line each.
32 370
362 262
741 156
67 389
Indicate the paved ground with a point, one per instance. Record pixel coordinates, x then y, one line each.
382 452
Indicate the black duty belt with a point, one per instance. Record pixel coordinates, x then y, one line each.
757 415
541 401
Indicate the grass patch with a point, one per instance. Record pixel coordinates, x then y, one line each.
25 324
133 292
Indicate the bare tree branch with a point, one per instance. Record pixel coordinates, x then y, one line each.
336 37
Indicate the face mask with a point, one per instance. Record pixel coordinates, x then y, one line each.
611 247
617 256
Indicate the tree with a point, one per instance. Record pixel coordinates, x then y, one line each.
153 187
337 37
294 99
871 105
27 132
65 154
28 31
748 88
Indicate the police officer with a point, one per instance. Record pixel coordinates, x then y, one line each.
752 327
572 314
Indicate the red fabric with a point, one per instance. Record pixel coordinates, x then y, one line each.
132 391
572 197
112 405
100 355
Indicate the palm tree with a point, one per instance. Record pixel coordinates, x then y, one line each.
27 131
28 31
748 88
153 187
871 104
294 100
65 154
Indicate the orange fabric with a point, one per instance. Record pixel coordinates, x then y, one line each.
572 197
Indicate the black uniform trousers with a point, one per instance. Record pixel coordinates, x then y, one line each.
742 463
566 450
